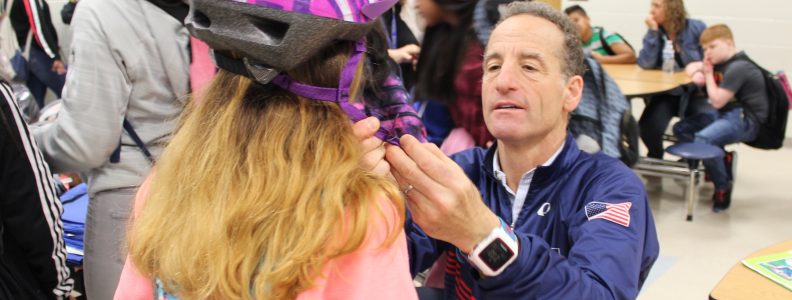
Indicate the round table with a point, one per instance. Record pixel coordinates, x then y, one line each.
743 283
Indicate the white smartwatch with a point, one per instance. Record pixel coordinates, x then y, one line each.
496 251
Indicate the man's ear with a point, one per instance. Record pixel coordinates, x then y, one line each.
573 91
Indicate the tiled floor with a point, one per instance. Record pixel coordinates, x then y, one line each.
695 255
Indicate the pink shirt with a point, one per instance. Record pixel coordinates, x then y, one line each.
371 272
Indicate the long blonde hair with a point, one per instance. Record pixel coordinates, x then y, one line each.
257 191
675 16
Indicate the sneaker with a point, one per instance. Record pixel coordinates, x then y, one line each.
721 199
730 159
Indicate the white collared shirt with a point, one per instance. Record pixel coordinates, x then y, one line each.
525 183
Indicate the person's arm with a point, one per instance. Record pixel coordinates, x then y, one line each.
717 95
696 72
444 203
691 50
423 250
30 212
649 56
406 54
623 55
89 126
604 262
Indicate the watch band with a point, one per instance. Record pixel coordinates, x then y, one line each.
496 251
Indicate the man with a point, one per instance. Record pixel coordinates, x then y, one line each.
736 88
606 47
540 219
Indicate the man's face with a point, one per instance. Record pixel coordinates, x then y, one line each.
582 22
525 96
718 50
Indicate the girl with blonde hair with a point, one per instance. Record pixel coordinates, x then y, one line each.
261 194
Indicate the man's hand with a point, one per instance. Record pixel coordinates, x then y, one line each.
440 196
373 148
596 55
58 67
406 54
651 23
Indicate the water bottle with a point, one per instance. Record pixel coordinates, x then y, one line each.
668 57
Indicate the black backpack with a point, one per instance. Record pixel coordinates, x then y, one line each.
772 132
607 47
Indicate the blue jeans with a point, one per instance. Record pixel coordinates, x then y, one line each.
41 76
719 129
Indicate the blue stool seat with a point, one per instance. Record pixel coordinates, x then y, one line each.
695 151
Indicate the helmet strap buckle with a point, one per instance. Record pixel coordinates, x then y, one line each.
260 73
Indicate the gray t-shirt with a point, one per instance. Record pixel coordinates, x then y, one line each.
747 82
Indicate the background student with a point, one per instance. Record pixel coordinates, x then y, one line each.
668 22
735 87
606 47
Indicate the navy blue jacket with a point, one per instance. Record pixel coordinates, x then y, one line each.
563 255
651 55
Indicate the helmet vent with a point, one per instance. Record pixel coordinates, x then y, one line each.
273 30
201 20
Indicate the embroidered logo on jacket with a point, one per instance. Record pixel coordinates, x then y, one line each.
618 213
544 209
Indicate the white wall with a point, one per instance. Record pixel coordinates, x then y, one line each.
763 28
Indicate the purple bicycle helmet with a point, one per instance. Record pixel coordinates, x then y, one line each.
278 35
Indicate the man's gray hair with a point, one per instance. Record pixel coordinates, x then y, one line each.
573 58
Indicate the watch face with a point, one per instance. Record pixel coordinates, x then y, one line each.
496 254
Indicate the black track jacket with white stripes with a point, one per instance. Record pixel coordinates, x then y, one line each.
35 14
33 253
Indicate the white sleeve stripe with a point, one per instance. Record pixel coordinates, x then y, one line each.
49 203
55 207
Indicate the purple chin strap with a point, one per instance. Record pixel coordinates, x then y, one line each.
338 95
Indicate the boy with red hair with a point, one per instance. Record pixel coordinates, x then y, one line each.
735 87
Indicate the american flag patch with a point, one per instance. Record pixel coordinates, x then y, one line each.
618 213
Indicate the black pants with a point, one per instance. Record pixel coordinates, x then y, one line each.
658 113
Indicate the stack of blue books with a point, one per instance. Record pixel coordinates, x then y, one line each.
75 207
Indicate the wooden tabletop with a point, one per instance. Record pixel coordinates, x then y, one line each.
634 81
743 283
